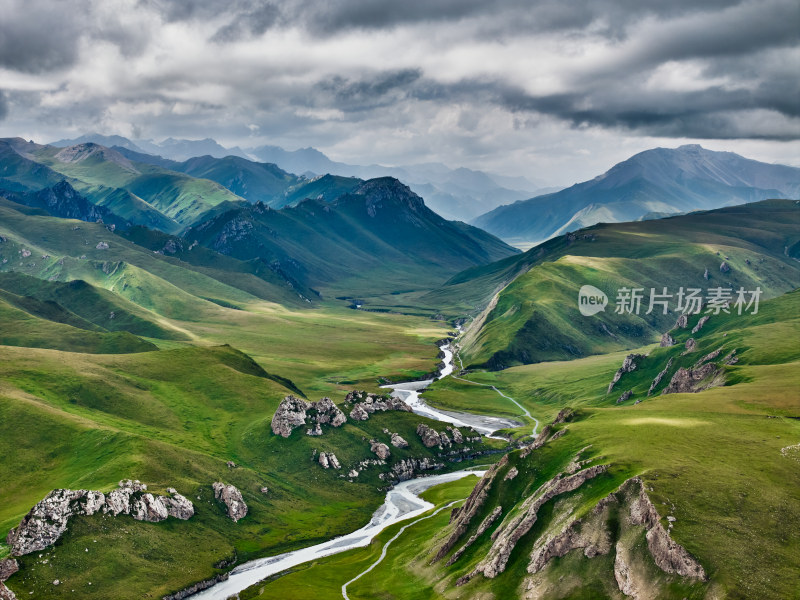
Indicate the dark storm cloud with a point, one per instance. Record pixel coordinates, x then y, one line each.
380 90
39 36
3 105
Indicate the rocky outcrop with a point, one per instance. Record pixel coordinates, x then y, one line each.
682 322
461 517
398 442
628 365
379 449
409 467
197 587
509 533
693 380
328 460
668 555
47 521
724 267
625 396
703 320
430 437
485 524
690 345
293 412
659 377
666 340
365 404
458 438
709 356
8 567
231 497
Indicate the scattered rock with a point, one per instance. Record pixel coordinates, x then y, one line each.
659 377
625 396
730 358
8 566
264 490
703 320
365 404
667 340
398 442
429 437
693 380
328 460
691 345
724 267
380 449
706 275
628 365
293 412
47 521
458 438
231 497
408 467
512 472
102 246
231 464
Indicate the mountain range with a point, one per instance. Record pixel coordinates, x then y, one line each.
653 183
460 193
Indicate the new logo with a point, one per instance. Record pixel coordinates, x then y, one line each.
591 300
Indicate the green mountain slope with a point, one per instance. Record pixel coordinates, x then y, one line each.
536 316
718 467
378 239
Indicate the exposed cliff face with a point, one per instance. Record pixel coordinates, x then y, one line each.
628 365
47 521
694 380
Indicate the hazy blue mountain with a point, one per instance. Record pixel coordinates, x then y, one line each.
103 140
658 181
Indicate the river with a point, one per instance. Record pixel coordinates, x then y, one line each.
402 502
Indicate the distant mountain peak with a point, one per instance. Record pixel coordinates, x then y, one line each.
81 152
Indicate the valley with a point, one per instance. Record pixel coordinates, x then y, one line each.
289 372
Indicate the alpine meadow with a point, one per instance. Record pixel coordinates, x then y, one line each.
399 301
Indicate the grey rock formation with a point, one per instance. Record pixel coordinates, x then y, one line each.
485 524
628 365
328 460
693 380
659 377
231 497
197 587
509 533
458 438
102 246
365 404
625 396
409 467
381 450
512 472
703 320
690 345
8 567
682 322
293 412
47 521
666 340
429 437
398 442
724 267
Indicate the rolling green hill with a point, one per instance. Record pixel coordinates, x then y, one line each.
719 467
535 317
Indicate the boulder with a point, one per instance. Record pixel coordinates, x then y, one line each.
724 267
667 340
231 497
457 437
628 365
703 320
429 437
682 322
398 442
291 413
328 460
365 404
381 450
8 567
691 345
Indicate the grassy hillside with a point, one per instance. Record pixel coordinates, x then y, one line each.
719 461
379 239
163 417
536 317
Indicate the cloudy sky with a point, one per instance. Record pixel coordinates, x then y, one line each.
554 90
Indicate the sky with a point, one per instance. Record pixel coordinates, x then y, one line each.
552 90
